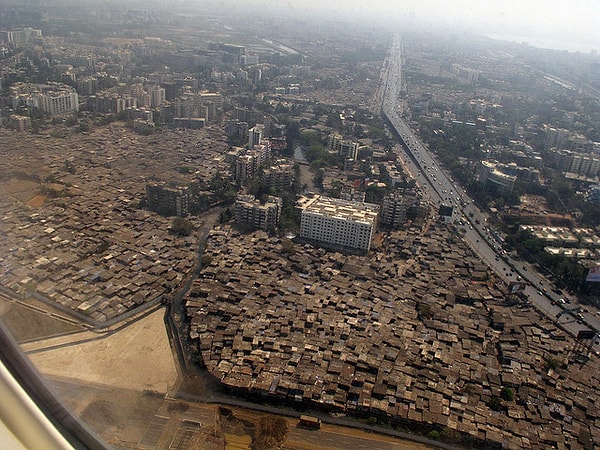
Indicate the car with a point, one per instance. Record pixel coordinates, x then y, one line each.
540 293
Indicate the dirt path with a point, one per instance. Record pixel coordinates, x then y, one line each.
306 177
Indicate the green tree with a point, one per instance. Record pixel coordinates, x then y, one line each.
507 394
182 227
433 434
223 188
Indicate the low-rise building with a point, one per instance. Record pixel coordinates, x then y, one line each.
193 123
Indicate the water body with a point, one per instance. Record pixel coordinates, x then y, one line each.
299 155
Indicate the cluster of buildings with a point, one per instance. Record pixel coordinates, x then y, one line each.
572 154
238 130
416 332
72 231
467 73
562 139
188 109
576 243
586 165
331 222
19 36
251 161
97 258
246 163
52 98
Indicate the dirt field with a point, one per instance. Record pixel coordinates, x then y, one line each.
26 323
37 201
120 384
24 190
137 357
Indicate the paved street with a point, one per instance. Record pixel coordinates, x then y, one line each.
439 188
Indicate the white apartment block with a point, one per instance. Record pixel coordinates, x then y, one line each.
56 103
255 135
339 222
53 98
343 147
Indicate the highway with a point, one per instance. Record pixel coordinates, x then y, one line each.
439 188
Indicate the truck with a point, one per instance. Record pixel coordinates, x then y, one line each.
309 422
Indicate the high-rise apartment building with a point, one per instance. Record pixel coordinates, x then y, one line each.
157 96
339 222
396 205
279 176
245 168
250 212
343 147
169 201
255 135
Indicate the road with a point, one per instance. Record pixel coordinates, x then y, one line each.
338 438
439 188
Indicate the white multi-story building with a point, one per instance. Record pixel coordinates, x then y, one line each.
20 36
339 222
343 147
157 96
255 135
490 173
57 102
53 98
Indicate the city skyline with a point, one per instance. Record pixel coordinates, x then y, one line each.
559 25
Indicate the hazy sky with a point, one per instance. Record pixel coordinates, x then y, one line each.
570 23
